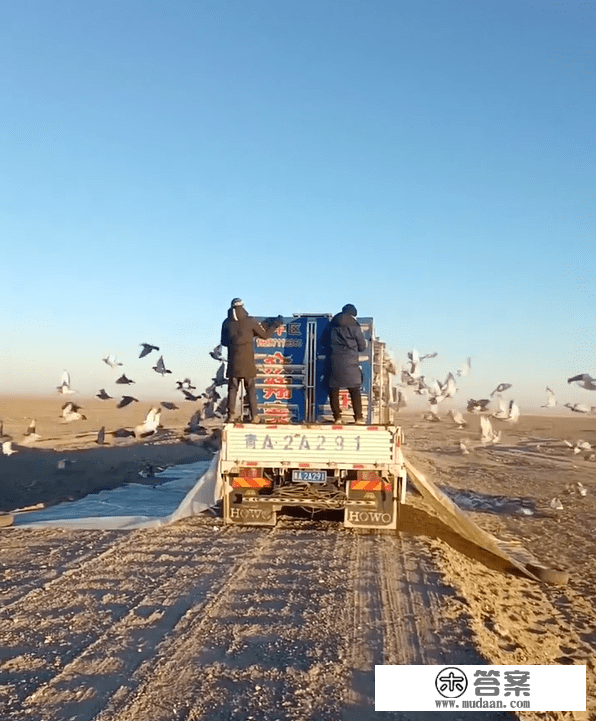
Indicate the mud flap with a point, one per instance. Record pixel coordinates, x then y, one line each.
249 513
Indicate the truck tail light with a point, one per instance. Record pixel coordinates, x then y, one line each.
251 478
370 481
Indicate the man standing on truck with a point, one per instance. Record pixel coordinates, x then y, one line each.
237 334
342 342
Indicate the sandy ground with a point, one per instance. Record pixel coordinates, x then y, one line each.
32 475
202 621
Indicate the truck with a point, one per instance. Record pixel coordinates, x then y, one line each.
298 456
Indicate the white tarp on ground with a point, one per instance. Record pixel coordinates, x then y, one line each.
193 488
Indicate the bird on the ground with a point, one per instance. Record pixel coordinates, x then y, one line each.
70 413
64 387
122 433
512 412
185 384
458 418
160 367
584 380
578 446
551 401
220 378
479 406
103 395
500 388
487 434
556 504
111 361
7 448
465 368
578 407
123 380
101 436
4 436
463 448
503 411
147 348
31 435
217 353
169 406
126 400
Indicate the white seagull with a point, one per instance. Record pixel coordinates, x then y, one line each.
111 361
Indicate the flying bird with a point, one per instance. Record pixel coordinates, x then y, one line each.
465 368
70 413
160 367
578 407
551 401
64 387
126 400
111 361
194 424
220 378
103 395
123 380
500 388
475 406
147 348
216 353
169 406
186 383
150 424
584 380
189 396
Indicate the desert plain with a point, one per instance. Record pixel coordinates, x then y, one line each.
198 620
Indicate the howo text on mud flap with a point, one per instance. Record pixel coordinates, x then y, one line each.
296 458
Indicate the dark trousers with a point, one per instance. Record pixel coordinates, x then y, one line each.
355 398
251 392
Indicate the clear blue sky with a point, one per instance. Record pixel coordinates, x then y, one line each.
432 163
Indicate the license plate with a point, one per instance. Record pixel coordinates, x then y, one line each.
309 476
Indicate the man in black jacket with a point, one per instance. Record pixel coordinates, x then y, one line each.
343 341
237 333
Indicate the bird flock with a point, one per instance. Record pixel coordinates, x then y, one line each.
210 403
412 379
